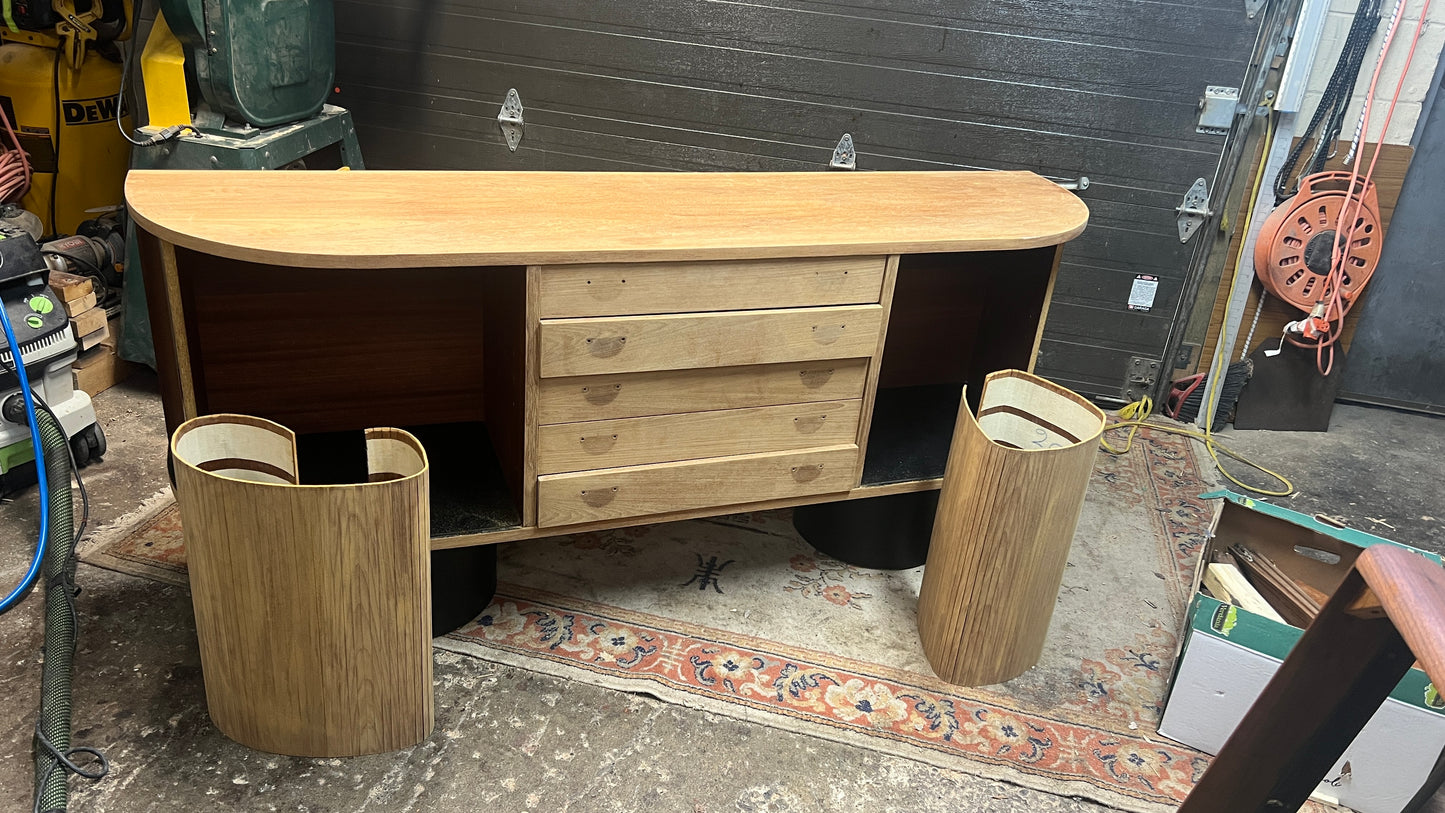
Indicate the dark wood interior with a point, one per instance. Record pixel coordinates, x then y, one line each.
955 318
324 350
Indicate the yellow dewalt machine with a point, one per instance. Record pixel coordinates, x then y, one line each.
63 156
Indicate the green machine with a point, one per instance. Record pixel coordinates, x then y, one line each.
263 69
263 63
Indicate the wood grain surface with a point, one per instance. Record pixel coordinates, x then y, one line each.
632 344
1006 518
690 435
598 397
618 289
634 491
329 219
312 603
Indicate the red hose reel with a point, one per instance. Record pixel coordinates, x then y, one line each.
1295 249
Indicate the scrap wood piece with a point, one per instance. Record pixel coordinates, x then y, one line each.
1229 585
1291 599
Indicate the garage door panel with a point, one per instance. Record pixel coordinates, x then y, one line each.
628 103
1102 88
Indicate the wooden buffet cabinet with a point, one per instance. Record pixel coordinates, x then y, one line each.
581 351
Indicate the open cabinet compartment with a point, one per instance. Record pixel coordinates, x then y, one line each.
954 319
330 352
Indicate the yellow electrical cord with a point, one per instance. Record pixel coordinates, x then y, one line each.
1136 415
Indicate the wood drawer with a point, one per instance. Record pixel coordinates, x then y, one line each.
692 435
634 491
629 344
602 397
619 289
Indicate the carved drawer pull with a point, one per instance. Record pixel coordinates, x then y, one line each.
598 497
807 473
827 334
597 444
815 378
606 346
600 396
808 424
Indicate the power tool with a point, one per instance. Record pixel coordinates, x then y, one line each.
47 349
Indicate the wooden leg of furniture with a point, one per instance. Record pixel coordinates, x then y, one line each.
312 602
1329 687
1011 498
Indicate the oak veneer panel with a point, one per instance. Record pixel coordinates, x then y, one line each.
618 289
312 603
686 436
1011 498
328 219
599 397
635 491
630 344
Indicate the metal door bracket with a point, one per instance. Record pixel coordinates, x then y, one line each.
511 119
1077 185
1140 378
844 156
1217 110
1253 7
1194 210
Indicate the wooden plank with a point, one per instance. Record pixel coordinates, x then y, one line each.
591 398
75 307
630 344
870 388
274 217
95 337
1227 584
620 289
531 383
569 499
533 532
88 322
719 433
70 287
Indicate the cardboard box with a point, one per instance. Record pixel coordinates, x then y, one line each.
1228 654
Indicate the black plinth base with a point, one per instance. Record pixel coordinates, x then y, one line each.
463 581
885 533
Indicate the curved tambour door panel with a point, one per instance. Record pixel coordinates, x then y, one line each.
312 602
1006 515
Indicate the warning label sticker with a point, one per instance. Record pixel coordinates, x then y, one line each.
1141 294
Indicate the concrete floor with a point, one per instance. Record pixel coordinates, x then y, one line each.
511 740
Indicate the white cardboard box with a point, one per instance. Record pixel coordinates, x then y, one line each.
1228 654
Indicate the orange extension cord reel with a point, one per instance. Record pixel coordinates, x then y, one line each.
1293 254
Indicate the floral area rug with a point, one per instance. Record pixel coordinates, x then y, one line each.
738 616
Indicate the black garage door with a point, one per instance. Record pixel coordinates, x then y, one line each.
1108 89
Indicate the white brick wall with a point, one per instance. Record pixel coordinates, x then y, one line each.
1417 81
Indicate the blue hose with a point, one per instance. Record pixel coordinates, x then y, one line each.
19 364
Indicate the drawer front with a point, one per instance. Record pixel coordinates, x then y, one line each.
630 344
661 438
595 398
634 491
619 289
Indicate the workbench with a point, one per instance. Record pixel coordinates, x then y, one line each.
582 351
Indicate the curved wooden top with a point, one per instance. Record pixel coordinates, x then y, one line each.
382 219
